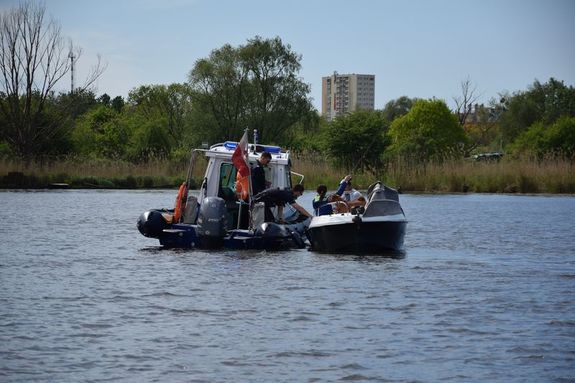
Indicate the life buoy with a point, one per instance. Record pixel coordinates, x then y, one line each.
180 202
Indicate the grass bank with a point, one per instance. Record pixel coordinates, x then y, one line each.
550 175
86 174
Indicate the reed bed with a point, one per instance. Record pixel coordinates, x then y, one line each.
512 176
528 175
92 173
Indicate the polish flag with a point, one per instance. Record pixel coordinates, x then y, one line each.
239 158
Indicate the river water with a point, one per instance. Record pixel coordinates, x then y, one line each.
485 293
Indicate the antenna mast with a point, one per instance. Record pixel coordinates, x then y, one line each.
72 57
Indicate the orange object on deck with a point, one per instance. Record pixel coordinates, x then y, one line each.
180 202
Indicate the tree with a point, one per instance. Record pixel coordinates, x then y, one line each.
357 140
219 82
253 86
117 103
464 103
170 104
482 127
278 98
428 132
397 108
100 133
32 61
558 138
544 103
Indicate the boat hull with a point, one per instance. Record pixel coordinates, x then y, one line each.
185 236
354 235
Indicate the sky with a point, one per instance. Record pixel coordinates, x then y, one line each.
415 48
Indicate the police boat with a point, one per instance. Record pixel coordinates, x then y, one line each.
218 215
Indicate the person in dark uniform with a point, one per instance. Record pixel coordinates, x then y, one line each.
280 197
259 183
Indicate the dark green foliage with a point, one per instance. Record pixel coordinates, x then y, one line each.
253 86
428 132
539 139
397 108
169 106
101 133
356 141
544 103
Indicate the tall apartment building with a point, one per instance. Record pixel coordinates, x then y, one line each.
343 93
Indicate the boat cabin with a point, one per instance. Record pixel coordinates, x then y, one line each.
220 177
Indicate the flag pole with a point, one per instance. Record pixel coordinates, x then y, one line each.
250 188
250 192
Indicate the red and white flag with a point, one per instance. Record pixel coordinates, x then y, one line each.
239 158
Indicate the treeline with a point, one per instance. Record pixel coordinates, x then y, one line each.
166 121
256 86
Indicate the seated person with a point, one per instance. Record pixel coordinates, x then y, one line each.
321 197
351 196
334 204
279 197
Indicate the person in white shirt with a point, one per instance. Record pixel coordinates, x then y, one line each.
351 196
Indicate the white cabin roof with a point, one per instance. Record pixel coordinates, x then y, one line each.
226 149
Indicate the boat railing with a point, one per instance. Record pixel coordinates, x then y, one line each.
299 175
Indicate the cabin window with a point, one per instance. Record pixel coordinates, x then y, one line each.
227 183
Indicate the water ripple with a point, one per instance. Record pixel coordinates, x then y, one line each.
472 299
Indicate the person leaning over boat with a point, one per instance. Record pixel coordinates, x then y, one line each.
259 182
280 197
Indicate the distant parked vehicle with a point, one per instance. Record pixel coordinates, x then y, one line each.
493 156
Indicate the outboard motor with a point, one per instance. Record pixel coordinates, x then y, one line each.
272 230
279 236
152 222
212 222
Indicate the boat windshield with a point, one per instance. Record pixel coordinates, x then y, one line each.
227 184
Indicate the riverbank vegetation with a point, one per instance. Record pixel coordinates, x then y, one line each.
83 140
523 175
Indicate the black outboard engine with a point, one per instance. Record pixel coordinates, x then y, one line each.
272 230
212 222
279 236
152 222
